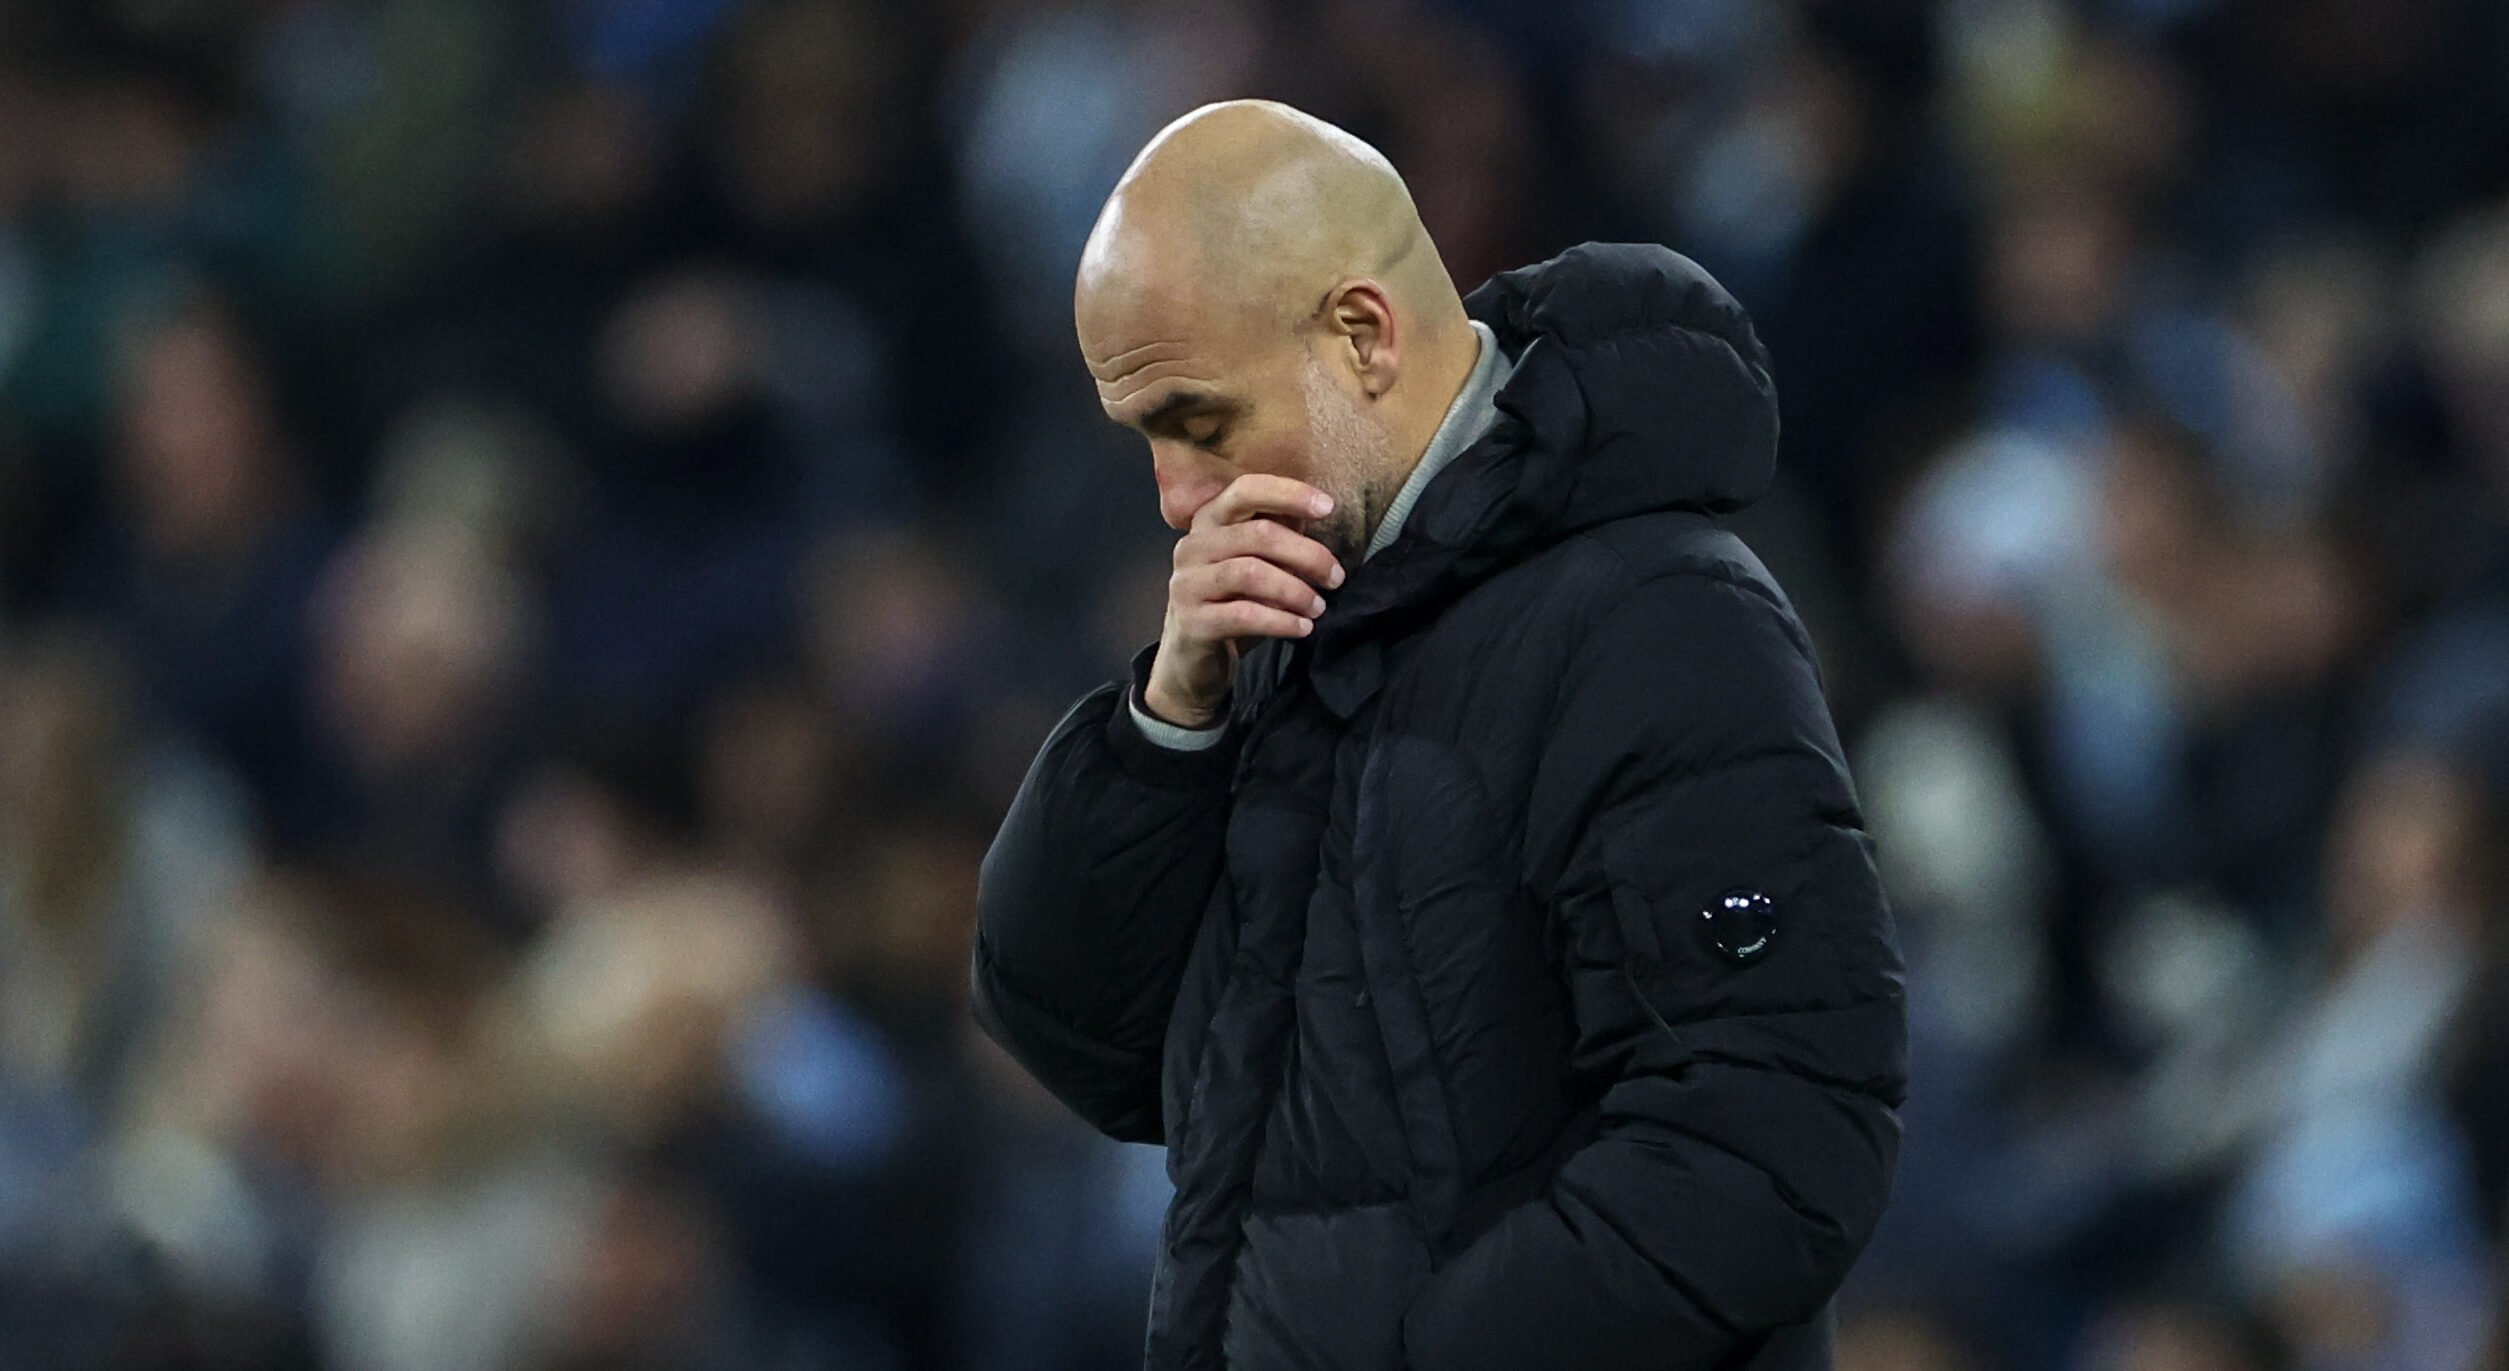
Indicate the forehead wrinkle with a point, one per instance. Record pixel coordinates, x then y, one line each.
1114 394
1113 368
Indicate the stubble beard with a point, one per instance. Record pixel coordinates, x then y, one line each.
1348 447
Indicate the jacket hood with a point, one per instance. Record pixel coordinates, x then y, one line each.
1640 380
1639 386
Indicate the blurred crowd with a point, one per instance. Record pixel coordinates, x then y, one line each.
536 539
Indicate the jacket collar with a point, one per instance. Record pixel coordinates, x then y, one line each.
1638 386
1474 410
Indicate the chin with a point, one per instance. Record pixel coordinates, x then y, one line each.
1345 538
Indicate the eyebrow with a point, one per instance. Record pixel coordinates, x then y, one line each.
1165 413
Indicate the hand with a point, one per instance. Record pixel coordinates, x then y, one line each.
1243 570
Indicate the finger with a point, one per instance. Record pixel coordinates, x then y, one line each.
1245 619
1247 578
1274 542
1258 493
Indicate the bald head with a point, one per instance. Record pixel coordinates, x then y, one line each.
1250 255
1259 208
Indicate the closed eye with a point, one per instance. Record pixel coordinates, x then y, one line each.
1199 418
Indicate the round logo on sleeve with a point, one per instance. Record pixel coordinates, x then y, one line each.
1740 926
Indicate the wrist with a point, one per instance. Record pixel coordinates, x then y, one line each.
1165 706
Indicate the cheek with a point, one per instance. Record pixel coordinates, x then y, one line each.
1288 450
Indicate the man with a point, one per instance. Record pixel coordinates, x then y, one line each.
1467 888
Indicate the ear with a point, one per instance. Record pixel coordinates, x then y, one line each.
1360 316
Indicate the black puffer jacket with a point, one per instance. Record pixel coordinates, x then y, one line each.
1449 978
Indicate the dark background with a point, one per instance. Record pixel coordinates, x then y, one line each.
537 538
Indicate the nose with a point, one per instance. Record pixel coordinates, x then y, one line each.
1187 479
